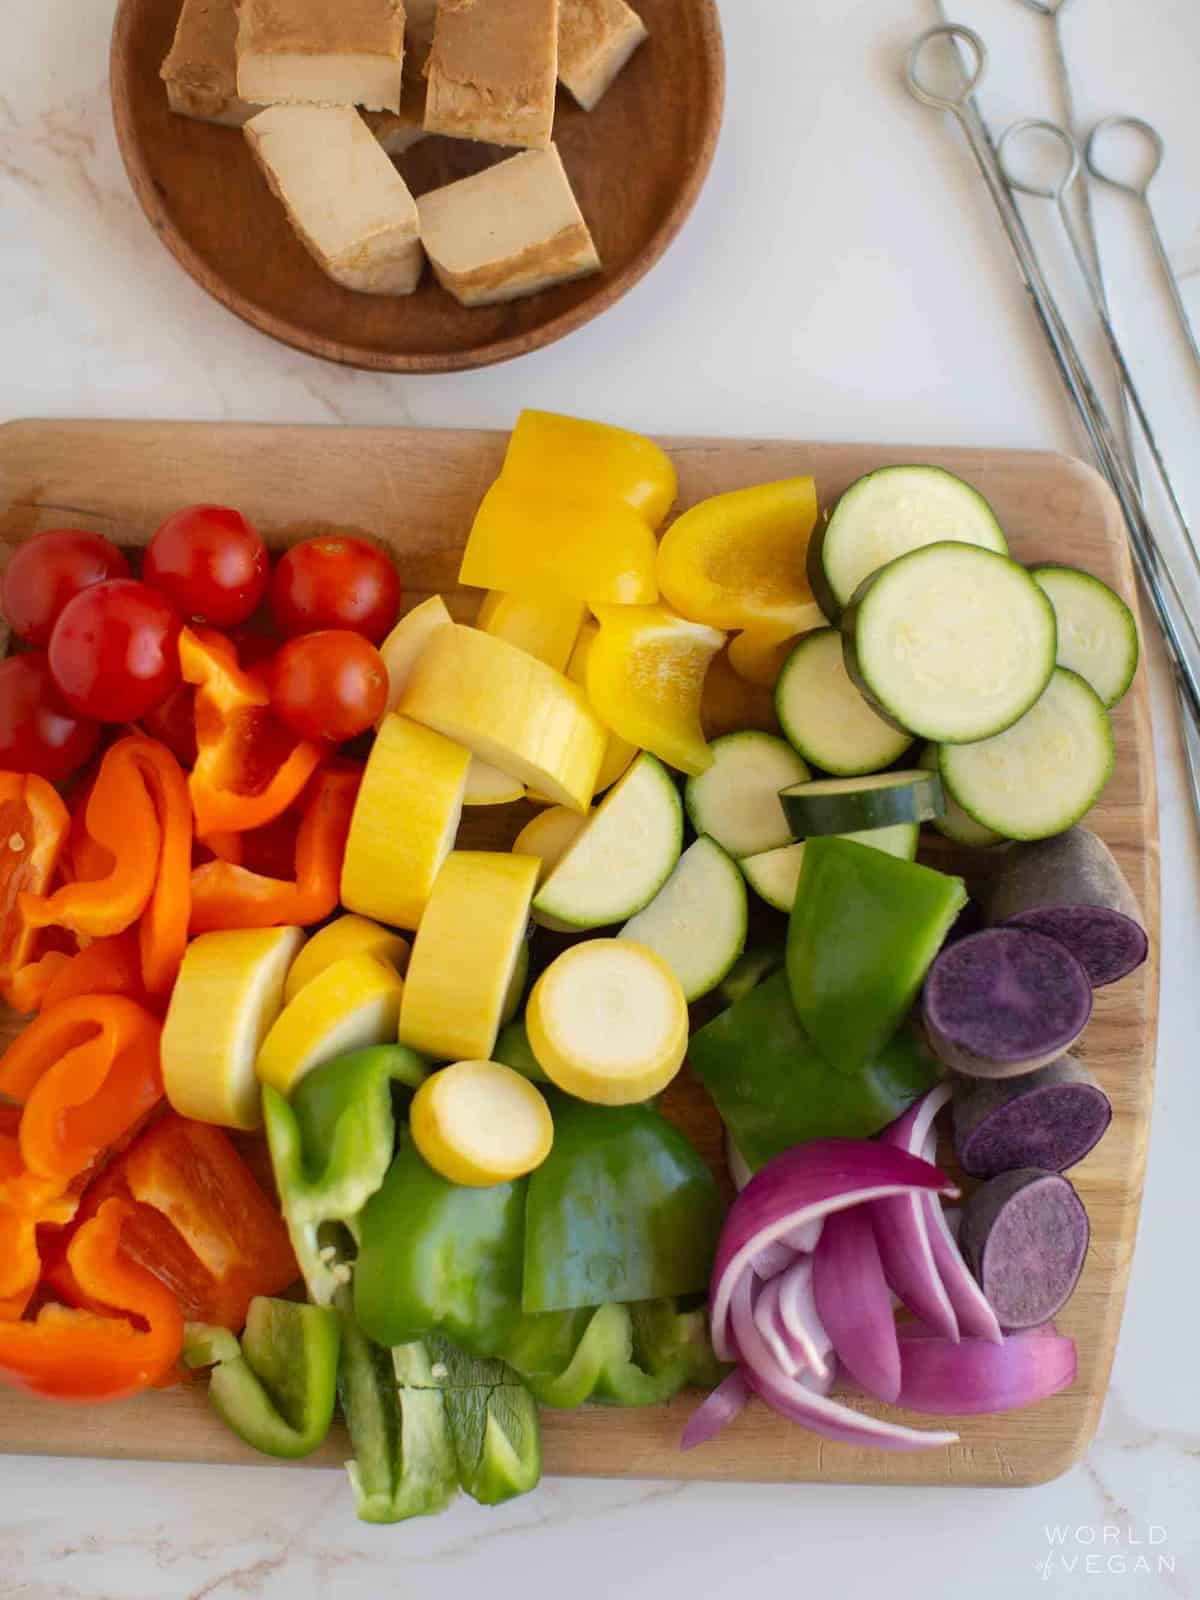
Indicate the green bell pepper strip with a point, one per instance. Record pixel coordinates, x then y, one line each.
750 969
633 1355
666 1338
276 1391
623 1208
774 1089
331 1146
864 929
514 1050
435 1256
493 1423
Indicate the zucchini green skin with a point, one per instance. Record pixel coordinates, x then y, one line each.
1050 577
697 920
954 823
810 698
835 805
730 801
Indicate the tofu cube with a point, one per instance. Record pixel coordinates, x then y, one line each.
351 208
595 40
321 52
492 71
508 231
200 69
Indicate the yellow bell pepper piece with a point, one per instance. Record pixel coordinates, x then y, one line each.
348 935
227 996
544 625
511 710
758 654
591 461
618 752
731 705
405 643
737 560
488 786
352 1004
645 677
405 820
549 836
464 954
478 1123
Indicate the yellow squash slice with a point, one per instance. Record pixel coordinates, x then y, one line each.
465 952
543 625
348 935
228 993
488 786
549 836
478 1123
405 820
511 710
352 1004
406 641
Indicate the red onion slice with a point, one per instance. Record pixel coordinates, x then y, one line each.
718 1409
972 1309
975 1376
854 1304
902 1227
798 1313
772 1260
804 1237
789 1355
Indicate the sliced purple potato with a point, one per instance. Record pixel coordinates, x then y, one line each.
1050 1119
1004 1002
1071 889
1025 1236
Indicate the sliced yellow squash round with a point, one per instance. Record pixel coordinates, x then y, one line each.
352 1004
228 993
549 836
405 643
348 935
488 786
478 1123
608 1022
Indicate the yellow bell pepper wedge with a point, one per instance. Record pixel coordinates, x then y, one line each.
347 935
464 954
405 643
227 996
531 541
758 654
352 1004
618 753
730 704
592 461
509 709
546 626
737 560
480 1123
405 820
645 677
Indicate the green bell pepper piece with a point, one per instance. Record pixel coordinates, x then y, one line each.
607 1338
205 1345
864 929
331 1146
435 1256
774 1089
404 1463
493 1423
514 1050
623 1208
666 1338
633 1355
750 969
277 1390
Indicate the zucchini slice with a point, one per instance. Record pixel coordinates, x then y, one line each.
888 513
1097 636
623 856
954 823
951 642
736 802
1042 775
697 920
774 874
853 805
825 717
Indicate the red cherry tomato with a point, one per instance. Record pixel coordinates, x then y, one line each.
330 685
37 731
114 651
50 569
334 582
210 563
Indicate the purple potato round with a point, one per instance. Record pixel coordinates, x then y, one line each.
1107 944
1025 1236
1050 1119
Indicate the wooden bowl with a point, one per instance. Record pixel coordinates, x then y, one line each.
637 164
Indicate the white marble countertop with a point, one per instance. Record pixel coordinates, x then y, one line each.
842 277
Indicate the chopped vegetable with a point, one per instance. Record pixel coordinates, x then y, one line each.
277 1393
1097 636
608 1022
354 1003
592 462
1004 1002
544 626
775 874
480 1123
514 1050
729 704
488 786
758 655
549 836
493 1423
1050 1118
853 805
953 821
975 1376
1025 1237
752 967
347 935
863 932
825 717
33 828
697 920
736 801
618 752
405 643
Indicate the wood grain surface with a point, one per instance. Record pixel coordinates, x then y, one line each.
637 163
417 491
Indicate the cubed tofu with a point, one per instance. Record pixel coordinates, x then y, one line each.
345 199
321 52
200 69
508 231
492 71
595 40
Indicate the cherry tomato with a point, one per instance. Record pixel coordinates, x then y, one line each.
329 685
50 569
37 731
334 582
114 651
210 563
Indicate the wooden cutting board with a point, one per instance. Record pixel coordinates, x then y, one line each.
417 491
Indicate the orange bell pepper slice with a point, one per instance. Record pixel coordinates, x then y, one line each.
34 824
97 1353
163 931
249 768
198 1220
226 895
